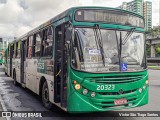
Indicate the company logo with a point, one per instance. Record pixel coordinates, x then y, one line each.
40 65
120 91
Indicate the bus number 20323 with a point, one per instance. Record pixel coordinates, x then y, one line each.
105 87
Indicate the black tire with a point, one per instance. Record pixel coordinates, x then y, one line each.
14 79
45 96
6 74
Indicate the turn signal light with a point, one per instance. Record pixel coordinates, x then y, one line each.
147 82
74 82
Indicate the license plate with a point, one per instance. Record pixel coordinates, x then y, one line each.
120 101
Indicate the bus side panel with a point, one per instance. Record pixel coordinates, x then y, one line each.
17 69
31 75
45 70
13 65
50 82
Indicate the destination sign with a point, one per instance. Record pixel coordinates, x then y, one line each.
109 16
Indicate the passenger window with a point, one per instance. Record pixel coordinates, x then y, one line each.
27 47
8 51
47 42
37 45
16 49
30 47
19 50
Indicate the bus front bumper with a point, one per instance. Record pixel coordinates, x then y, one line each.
78 103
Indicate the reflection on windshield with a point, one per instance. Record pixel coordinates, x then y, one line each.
133 49
86 55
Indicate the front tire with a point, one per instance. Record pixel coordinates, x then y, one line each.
45 96
14 79
6 74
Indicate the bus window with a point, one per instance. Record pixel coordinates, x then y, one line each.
8 51
37 45
13 49
30 47
16 49
27 47
19 54
47 42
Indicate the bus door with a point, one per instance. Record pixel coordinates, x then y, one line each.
23 58
60 67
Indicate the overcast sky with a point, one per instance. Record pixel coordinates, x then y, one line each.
19 16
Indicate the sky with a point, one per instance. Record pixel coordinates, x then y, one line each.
20 16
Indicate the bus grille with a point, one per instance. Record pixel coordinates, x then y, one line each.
117 79
116 93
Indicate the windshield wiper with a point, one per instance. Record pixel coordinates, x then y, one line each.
98 38
120 50
129 33
78 38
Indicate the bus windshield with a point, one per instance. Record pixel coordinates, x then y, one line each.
87 52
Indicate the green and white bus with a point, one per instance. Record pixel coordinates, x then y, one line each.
1 58
86 59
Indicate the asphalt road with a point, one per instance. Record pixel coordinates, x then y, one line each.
20 99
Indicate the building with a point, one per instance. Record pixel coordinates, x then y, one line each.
134 6
123 6
140 7
147 13
3 44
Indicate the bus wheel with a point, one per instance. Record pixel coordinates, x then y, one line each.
45 96
14 79
6 74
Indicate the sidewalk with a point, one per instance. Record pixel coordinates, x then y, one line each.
1 108
154 67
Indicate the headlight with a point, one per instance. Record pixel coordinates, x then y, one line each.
140 90
147 82
77 86
93 94
85 91
144 87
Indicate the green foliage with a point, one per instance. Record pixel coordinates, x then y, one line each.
154 32
158 49
148 49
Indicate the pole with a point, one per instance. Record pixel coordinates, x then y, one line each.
159 17
159 13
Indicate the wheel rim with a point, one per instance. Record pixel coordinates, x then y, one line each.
46 95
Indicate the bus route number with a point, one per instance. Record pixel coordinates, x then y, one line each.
105 87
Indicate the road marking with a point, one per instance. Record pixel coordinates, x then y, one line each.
4 107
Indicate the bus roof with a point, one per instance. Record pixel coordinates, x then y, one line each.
69 12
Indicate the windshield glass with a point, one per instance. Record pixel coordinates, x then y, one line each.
87 51
132 51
